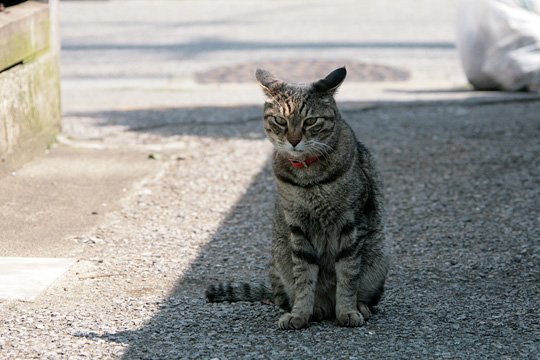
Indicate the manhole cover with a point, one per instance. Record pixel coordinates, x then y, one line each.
302 71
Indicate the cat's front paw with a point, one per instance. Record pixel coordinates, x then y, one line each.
290 321
350 319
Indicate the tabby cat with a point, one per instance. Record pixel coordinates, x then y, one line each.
329 259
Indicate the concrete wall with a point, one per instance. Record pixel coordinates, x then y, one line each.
29 83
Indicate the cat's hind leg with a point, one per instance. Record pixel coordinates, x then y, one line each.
348 271
280 297
374 268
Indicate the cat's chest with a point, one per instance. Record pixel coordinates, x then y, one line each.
322 201
321 209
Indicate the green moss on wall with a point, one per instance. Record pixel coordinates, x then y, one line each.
30 110
24 36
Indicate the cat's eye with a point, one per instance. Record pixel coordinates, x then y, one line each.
310 121
314 123
278 120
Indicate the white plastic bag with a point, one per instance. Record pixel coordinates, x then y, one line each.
499 43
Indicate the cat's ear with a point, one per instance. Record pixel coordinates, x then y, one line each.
331 82
269 83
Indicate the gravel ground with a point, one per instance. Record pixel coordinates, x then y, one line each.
462 192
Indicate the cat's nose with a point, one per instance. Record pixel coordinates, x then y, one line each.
294 141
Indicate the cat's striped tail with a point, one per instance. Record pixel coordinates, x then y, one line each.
234 292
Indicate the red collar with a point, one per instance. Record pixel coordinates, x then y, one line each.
303 164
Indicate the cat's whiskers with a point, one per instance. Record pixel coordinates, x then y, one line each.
323 145
320 148
319 152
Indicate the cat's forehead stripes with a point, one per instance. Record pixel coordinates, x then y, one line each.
304 109
287 107
290 104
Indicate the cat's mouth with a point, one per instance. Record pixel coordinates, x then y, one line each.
297 155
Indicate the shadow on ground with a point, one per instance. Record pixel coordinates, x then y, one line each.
234 121
462 188
209 121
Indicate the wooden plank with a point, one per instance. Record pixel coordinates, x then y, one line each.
24 32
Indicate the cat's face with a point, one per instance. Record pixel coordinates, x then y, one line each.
302 124
300 120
